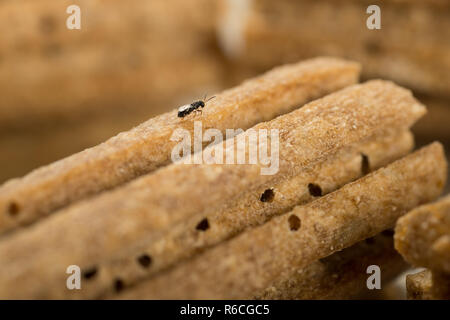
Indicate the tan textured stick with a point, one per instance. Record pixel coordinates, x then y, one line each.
423 236
418 286
93 230
343 275
190 236
251 262
195 234
148 146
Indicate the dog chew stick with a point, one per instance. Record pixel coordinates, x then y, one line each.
343 275
423 236
252 208
148 146
147 207
251 262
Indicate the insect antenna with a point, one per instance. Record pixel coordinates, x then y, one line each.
210 98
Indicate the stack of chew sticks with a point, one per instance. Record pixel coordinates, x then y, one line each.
142 227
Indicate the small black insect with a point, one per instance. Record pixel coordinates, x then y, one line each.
183 111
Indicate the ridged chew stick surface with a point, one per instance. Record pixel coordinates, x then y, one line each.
423 236
254 207
254 260
97 229
148 146
343 275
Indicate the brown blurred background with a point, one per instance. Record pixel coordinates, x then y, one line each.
65 90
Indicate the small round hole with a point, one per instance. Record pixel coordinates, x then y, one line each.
90 273
294 222
314 190
13 209
145 260
267 195
365 164
118 285
203 225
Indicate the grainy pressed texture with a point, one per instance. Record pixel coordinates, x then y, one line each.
143 210
196 234
148 146
342 275
272 252
423 236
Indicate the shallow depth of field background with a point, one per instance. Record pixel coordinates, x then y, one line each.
65 90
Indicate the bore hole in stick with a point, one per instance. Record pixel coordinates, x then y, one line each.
203 225
315 190
118 285
90 273
365 164
13 209
144 260
294 222
267 195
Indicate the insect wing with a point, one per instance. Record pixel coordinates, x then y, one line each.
184 108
